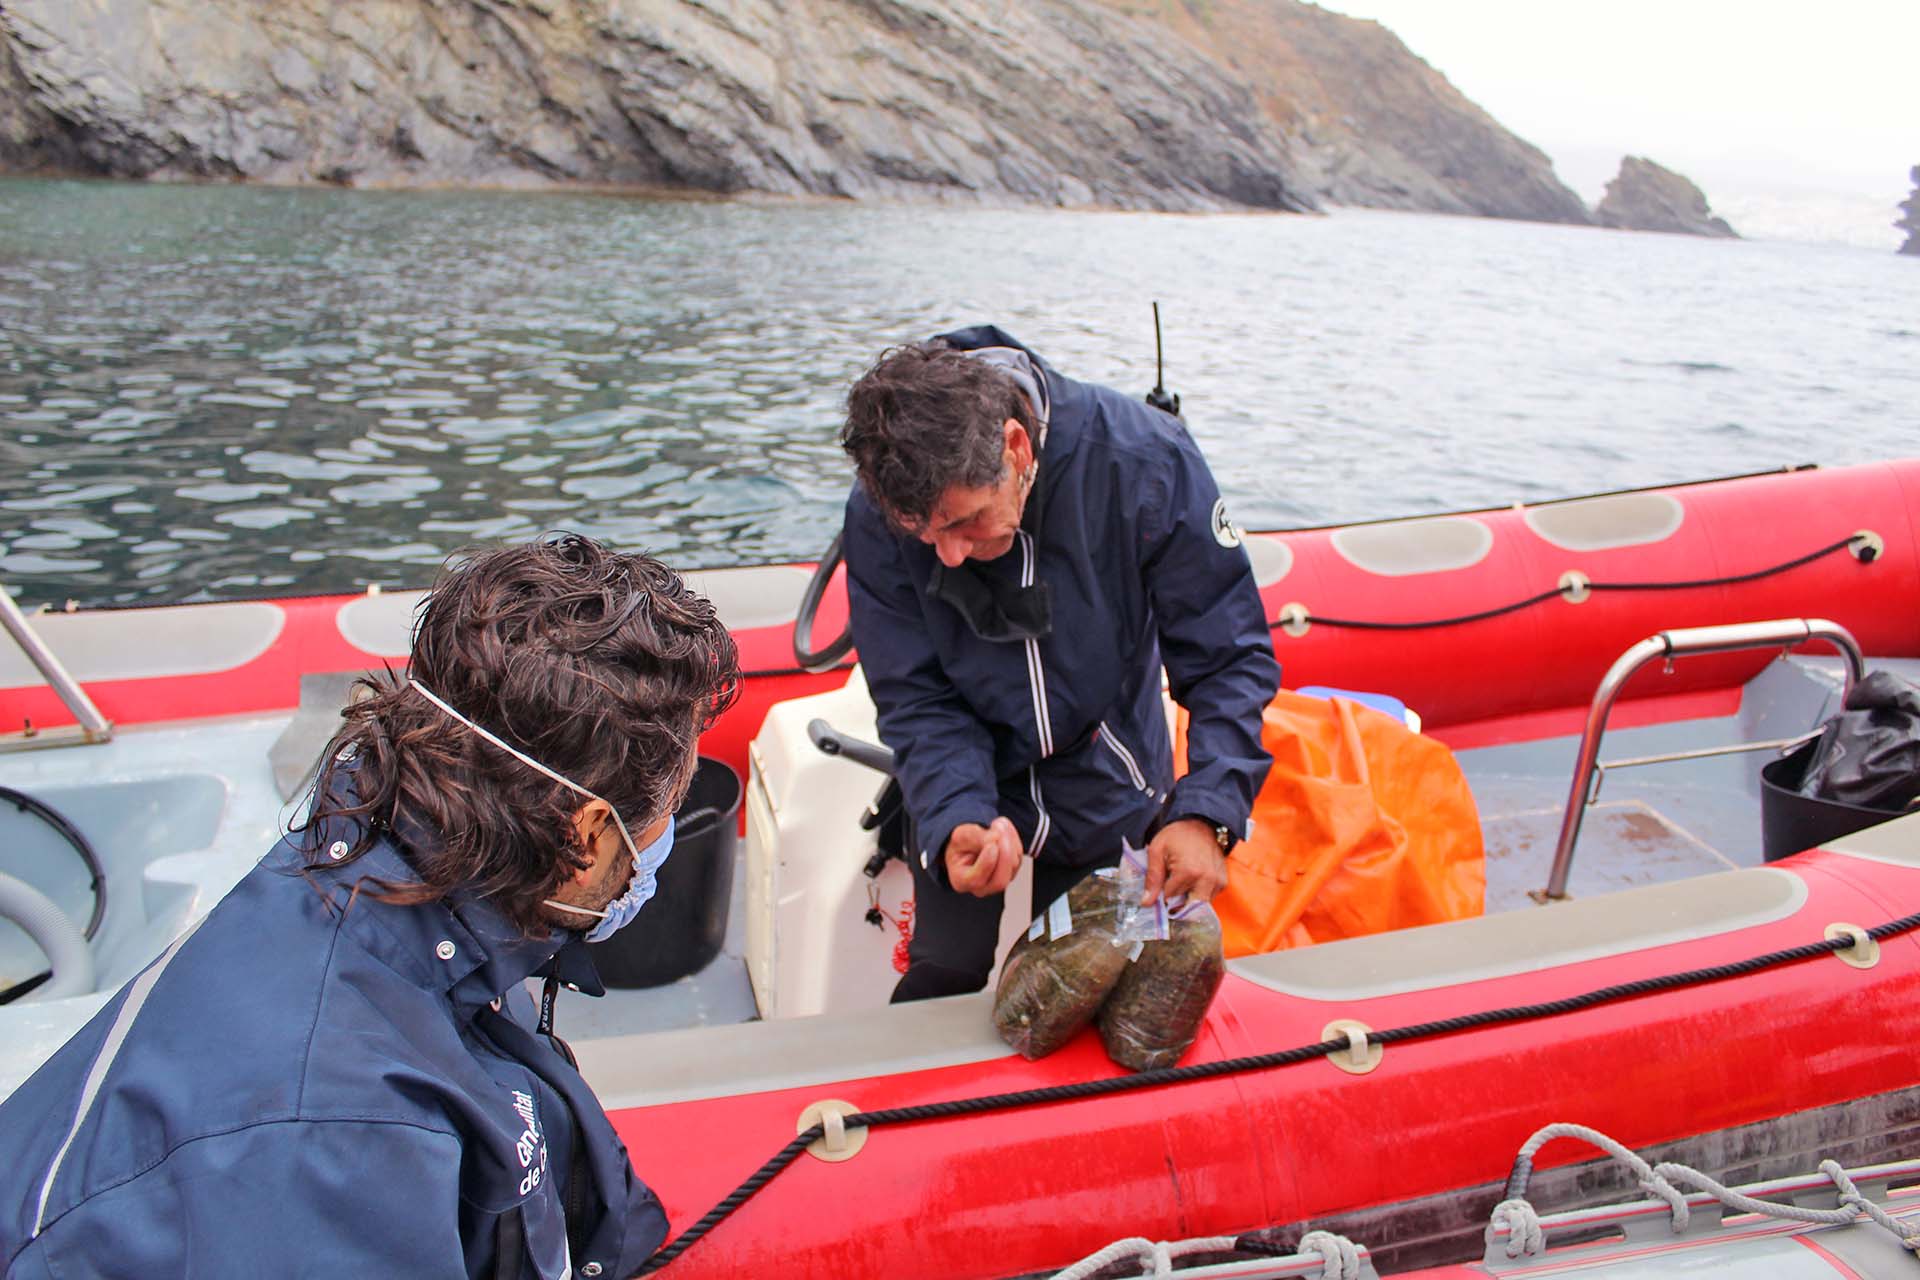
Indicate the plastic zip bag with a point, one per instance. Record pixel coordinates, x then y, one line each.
1057 976
1152 922
1154 1012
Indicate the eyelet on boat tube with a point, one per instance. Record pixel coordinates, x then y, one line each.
1360 1056
1293 618
1866 546
1575 586
838 1142
1863 954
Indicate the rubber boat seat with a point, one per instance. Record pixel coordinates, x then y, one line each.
787 1053
1531 938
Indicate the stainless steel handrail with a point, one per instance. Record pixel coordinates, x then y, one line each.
1785 632
93 726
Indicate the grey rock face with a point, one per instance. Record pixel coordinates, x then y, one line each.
1375 126
1647 197
1058 102
1910 215
821 97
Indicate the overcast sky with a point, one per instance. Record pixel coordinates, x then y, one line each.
1739 95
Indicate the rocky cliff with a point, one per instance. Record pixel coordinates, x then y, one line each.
1910 216
1157 104
1647 197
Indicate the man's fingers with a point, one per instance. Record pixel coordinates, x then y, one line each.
1156 870
1005 868
1180 880
981 860
963 856
1001 858
1205 881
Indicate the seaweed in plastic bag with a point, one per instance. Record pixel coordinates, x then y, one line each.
1056 976
1155 1010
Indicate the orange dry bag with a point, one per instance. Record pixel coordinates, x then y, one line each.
1362 826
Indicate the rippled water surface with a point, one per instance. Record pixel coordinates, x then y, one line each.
216 391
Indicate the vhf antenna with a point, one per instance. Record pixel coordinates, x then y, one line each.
1161 398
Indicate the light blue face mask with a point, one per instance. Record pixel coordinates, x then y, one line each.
646 866
646 862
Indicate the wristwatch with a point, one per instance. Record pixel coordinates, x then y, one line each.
1223 835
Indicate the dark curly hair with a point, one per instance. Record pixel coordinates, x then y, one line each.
603 666
923 419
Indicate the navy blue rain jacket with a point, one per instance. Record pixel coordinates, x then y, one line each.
1066 735
307 1087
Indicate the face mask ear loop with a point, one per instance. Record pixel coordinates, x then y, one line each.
537 767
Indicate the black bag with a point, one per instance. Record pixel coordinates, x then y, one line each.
1869 754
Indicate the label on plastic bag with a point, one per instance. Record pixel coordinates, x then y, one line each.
1059 918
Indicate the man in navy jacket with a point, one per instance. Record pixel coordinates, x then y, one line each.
339 1071
1024 553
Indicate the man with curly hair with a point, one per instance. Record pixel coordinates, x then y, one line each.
1024 554
340 1070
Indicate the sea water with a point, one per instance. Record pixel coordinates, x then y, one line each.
217 391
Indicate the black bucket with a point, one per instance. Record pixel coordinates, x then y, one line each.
1791 822
681 930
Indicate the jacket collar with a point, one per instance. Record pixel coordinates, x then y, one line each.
1059 395
461 944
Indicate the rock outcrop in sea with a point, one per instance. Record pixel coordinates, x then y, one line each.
1156 104
1910 215
1646 197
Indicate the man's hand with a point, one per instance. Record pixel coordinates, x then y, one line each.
1185 859
982 860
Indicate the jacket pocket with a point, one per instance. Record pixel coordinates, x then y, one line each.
1129 762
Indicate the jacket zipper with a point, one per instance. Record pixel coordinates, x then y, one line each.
1043 722
1042 824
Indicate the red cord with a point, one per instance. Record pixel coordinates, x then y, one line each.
904 923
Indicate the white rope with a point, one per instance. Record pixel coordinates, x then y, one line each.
1340 1256
1850 1197
1525 1236
1851 1208
1156 1256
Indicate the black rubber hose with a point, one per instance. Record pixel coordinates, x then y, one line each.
828 657
71 834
